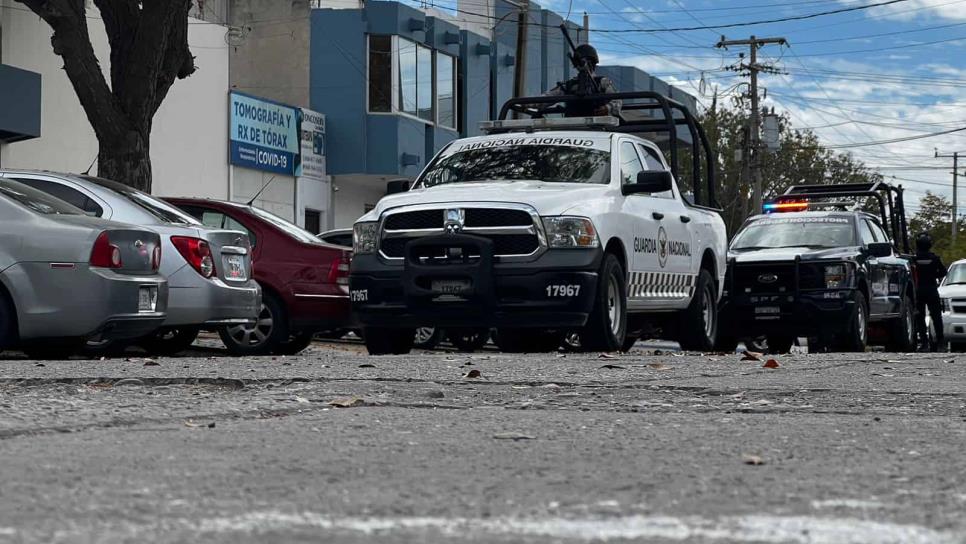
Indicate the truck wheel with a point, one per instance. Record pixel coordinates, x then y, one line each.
469 340
780 344
957 347
902 337
856 335
699 322
527 340
726 343
606 327
381 341
629 342
427 337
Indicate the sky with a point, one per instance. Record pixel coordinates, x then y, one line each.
857 77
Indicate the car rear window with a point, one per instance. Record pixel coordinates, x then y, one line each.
288 228
37 201
157 208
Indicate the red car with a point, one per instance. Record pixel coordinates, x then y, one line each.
305 282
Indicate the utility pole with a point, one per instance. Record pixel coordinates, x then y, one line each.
955 158
586 28
520 66
751 160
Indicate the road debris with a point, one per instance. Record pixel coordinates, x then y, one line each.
349 402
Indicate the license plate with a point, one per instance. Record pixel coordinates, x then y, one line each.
767 310
147 299
450 287
235 267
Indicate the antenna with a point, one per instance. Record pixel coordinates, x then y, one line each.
259 193
88 171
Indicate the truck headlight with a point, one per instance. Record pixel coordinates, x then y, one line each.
946 304
836 276
570 232
364 237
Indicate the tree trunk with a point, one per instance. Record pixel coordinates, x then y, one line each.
127 162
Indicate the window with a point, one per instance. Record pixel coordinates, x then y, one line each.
218 220
424 83
865 233
67 194
35 200
408 77
652 160
653 163
878 231
811 232
157 208
446 90
549 163
630 163
313 219
380 73
292 230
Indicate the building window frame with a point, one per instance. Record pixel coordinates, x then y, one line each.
454 87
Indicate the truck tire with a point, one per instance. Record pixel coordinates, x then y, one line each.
527 340
902 331
606 326
469 340
427 337
382 341
856 334
296 344
698 327
779 344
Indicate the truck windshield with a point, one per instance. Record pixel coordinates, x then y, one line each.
550 163
957 275
810 232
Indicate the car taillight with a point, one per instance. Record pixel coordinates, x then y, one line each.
197 252
339 272
105 254
156 258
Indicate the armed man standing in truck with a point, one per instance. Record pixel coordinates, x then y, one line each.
931 271
586 83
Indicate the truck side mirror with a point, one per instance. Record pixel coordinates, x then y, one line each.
880 249
649 182
397 186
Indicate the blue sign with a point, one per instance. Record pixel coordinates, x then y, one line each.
264 135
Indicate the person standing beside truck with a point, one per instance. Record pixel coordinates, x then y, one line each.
931 271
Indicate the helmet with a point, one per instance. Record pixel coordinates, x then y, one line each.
924 241
586 51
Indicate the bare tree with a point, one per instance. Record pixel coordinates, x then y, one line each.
149 51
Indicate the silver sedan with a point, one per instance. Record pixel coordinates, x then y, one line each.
209 270
65 277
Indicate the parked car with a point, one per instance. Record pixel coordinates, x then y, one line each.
337 237
208 270
305 282
65 277
952 295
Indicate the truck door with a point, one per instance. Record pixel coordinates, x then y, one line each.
878 272
661 244
893 272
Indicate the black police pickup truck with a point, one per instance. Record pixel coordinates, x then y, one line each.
825 270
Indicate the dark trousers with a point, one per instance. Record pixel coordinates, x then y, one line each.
929 299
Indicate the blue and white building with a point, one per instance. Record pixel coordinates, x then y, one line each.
391 84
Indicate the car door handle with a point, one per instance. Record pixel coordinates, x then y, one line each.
685 218
657 215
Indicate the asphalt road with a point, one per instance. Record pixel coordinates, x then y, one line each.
550 448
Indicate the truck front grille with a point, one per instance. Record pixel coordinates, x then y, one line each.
514 232
770 278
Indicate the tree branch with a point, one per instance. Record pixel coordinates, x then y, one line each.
71 41
120 18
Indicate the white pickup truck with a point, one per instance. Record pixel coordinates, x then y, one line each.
540 233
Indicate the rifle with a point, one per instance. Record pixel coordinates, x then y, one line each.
587 84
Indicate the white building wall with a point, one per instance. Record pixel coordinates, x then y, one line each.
189 142
277 197
315 195
353 195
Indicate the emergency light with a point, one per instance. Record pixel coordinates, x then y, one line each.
780 206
